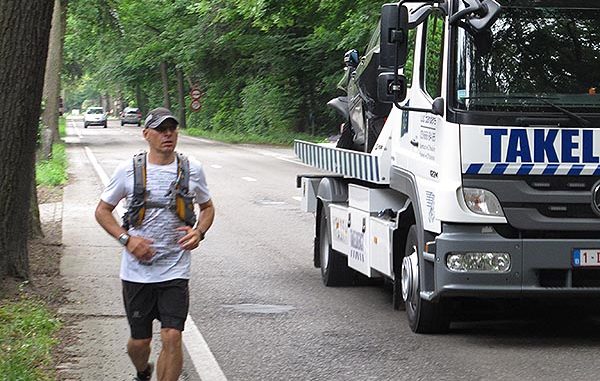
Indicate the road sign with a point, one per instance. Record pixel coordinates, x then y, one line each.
196 93
195 105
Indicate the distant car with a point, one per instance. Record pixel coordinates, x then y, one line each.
94 116
131 115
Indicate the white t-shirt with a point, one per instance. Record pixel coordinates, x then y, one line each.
170 261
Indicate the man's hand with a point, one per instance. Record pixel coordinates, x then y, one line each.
190 240
141 248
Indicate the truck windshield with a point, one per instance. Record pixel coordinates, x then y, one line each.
532 51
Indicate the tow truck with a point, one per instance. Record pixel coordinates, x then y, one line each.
472 168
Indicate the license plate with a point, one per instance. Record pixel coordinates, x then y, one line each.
586 257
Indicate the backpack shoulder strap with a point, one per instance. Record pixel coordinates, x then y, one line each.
184 200
139 174
183 172
137 206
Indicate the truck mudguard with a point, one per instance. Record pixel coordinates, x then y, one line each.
330 190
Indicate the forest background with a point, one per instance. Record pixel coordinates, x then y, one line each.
264 67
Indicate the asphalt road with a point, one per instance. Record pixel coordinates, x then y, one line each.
264 313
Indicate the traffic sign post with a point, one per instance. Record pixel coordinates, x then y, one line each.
196 94
195 105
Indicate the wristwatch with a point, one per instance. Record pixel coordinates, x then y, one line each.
123 239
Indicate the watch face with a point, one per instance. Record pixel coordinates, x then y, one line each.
124 238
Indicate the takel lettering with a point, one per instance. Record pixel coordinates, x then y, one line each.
517 146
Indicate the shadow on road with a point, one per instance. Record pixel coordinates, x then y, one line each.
552 323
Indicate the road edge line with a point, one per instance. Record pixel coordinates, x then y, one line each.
203 359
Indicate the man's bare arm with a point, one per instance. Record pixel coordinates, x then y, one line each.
106 219
207 216
192 238
138 246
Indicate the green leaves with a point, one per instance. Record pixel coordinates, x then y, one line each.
264 65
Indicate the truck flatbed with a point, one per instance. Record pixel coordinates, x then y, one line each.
355 164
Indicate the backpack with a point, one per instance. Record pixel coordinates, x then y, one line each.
182 200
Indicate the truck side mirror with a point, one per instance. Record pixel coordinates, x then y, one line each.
351 58
438 106
391 88
393 48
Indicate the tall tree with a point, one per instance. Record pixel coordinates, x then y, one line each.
51 92
181 98
164 75
23 49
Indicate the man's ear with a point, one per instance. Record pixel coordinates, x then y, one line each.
145 133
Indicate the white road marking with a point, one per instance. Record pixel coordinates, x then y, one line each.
249 179
92 158
278 156
294 162
74 126
203 359
297 198
216 166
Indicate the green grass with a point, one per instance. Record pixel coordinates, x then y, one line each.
53 172
26 339
283 139
62 126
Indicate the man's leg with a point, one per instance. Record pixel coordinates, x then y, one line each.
173 305
170 361
139 352
140 306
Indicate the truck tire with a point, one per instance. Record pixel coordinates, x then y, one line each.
423 316
334 265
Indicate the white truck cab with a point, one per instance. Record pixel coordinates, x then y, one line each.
484 181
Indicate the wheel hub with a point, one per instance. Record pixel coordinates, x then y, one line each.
410 277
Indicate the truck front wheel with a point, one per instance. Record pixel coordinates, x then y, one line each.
423 316
334 265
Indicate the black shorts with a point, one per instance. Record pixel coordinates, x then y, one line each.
166 301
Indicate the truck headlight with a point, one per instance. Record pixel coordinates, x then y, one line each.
478 262
481 201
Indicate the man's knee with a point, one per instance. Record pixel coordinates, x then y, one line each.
171 339
138 344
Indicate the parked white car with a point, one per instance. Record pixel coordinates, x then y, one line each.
94 116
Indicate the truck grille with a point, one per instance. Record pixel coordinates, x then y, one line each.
579 278
543 203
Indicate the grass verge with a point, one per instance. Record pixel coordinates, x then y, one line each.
27 332
62 127
283 139
53 172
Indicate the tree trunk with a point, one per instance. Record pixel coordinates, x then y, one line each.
35 224
181 98
51 92
104 102
110 105
23 52
140 100
164 75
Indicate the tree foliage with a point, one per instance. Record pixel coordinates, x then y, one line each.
264 66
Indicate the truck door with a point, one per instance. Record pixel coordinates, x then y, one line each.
419 135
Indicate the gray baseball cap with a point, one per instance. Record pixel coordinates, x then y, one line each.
157 116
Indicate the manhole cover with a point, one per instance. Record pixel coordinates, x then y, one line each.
259 308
